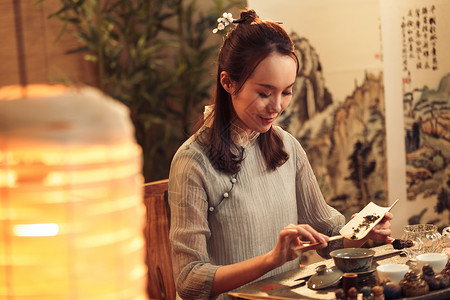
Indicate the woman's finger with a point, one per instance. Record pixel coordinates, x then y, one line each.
310 234
388 216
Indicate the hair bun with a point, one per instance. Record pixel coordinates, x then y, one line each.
248 16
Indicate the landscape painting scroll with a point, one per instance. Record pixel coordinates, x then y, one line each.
416 40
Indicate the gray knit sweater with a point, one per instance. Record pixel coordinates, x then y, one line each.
219 219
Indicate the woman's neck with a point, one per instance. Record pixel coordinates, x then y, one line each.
242 137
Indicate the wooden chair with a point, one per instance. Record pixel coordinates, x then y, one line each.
160 277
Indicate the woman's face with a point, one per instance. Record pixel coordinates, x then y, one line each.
266 93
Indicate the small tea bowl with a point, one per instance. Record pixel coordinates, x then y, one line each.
353 260
393 272
436 260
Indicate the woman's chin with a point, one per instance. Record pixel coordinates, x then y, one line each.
263 129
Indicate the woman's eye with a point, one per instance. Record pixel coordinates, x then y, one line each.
287 93
262 95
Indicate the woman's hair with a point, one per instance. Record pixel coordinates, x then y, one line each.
243 49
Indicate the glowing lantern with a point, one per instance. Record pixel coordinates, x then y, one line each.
71 209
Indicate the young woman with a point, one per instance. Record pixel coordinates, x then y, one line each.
240 183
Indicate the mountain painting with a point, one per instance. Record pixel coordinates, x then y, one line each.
427 141
338 108
344 140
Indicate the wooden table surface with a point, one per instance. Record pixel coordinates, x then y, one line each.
287 285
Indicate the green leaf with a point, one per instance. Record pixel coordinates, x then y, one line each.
78 50
61 32
60 11
36 3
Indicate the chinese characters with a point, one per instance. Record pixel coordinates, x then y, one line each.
419 38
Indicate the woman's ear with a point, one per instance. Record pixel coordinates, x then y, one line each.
226 82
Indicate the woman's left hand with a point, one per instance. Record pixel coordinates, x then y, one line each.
382 231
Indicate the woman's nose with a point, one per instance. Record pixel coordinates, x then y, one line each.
274 105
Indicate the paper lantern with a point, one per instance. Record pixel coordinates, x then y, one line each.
71 206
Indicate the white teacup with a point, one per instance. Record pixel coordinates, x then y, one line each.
393 272
436 260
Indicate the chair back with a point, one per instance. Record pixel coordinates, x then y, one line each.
160 274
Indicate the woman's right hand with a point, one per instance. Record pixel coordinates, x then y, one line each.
228 277
289 239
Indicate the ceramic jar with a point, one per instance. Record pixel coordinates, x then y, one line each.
413 285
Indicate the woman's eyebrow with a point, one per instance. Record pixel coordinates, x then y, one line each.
273 87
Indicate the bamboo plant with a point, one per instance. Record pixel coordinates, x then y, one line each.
155 56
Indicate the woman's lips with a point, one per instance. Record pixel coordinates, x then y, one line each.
267 121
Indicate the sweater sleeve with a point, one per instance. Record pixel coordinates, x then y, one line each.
312 207
189 230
